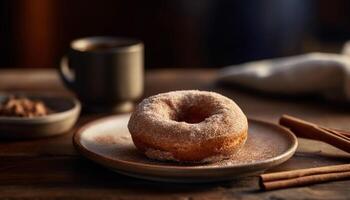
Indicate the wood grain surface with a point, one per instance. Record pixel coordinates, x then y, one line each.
51 169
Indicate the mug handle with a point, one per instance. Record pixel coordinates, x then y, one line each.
66 73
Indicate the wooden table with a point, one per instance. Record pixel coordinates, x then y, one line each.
50 168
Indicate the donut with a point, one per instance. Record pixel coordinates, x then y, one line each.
188 126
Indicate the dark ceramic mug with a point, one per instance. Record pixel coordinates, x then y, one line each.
106 73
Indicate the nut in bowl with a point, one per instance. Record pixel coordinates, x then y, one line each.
16 106
25 115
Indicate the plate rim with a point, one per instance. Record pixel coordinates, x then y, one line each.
118 163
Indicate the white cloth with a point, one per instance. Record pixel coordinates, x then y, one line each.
323 73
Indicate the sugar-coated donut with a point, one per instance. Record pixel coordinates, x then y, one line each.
188 126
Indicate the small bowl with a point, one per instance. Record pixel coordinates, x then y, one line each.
66 113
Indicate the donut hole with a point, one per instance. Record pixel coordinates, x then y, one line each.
191 109
192 115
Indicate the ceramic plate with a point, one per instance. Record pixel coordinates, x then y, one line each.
107 141
66 113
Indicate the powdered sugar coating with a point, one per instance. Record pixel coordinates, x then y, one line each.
159 118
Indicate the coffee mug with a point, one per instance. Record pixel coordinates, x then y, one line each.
106 73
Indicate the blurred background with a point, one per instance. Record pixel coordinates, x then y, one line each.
176 33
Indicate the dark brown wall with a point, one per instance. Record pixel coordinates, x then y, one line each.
176 33
39 31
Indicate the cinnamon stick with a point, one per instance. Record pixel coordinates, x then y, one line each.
304 172
305 180
343 133
309 130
